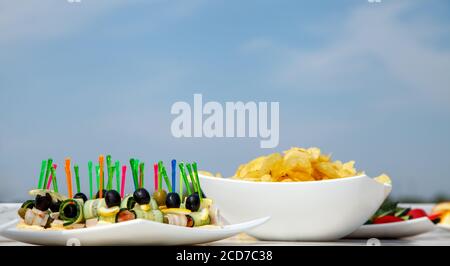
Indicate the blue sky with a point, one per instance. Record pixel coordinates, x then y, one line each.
363 81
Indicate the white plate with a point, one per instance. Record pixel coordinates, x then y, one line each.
394 230
300 211
444 226
135 232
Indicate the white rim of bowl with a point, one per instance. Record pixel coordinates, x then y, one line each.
343 179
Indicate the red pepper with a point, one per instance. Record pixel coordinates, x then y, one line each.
435 216
387 219
417 213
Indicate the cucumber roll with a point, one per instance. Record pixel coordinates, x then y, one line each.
90 208
146 215
108 214
158 215
128 202
71 211
29 204
154 204
140 214
125 215
198 218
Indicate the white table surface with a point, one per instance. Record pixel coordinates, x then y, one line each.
439 237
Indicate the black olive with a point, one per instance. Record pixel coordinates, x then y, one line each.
141 196
54 207
70 211
42 203
80 196
173 200
112 198
98 193
193 202
203 194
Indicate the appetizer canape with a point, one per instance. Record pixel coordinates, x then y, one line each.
51 210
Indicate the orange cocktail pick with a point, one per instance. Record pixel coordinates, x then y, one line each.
69 178
101 162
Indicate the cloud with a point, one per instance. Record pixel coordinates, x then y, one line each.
372 45
23 21
256 45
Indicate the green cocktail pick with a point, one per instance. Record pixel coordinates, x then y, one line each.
76 169
181 187
90 180
141 174
97 175
47 172
108 165
136 170
110 177
197 181
54 180
41 176
166 178
191 175
160 175
117 168
183 175
133 173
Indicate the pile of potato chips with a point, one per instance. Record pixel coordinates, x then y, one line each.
295 164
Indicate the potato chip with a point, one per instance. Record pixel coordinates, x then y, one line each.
384 179
328 169
295 160
205 173
296 165
266 178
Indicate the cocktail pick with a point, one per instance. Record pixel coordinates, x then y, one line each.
108 165
77 177
141 174
50 179
101 162
47 171
191 175
97 176
91 193
181 187
133 173
41 183
183 175
166 178
69 178
136 170
117 168
122 188
174 174
160 175
110 177
55 180
197 181
155 169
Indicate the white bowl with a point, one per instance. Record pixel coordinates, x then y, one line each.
303 211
